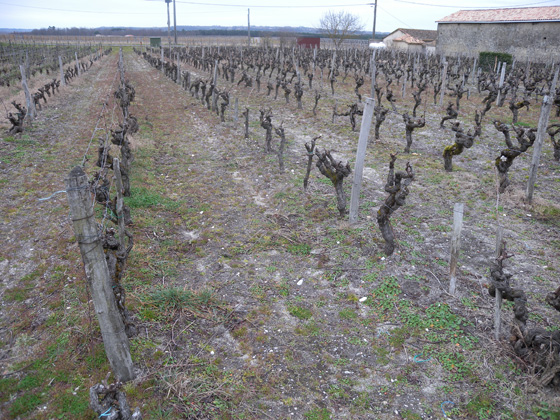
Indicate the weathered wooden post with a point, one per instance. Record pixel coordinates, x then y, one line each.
498 300
373 74
314 58
246 115
121 67
214 82
78 64
179 78
162 61
360 156
27 66
501 83
97 275
62 80
443 83
541 131
31 111
119 206
455 245
236 111
473 72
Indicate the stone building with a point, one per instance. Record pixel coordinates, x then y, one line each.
411 40
529 32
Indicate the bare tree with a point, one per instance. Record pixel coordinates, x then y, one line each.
339 26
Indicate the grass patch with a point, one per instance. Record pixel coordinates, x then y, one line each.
300 312
177 299
15 294
141 198
72 406
7 385
549 213
24 405
347 314
480 407
299 249
318 414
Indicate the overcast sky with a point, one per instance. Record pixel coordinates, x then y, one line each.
391 14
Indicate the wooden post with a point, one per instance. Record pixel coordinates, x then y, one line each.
360 155
498 300
373 74
541 132
473 72
62 80
246 115
501 83
443 83
314 59
85 228
121 67
236 112
78 64
455 245
214 82
248 27
31 111
179 78
162 57
27 68
119 207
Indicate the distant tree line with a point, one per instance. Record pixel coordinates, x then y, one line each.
53 31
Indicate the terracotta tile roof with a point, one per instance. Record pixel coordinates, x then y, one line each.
415 36
408 39
421 34
525 14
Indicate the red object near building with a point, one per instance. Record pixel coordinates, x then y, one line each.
309 42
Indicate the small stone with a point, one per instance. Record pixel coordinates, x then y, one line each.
363 299
299 283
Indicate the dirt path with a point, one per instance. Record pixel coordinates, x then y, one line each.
248 291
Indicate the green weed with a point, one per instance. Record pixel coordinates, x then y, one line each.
347 314
300 312
299 249
141 198
176 298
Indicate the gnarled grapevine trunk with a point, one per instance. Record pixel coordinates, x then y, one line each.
462 141
336 172
525 138
539 348
397 187
410 126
